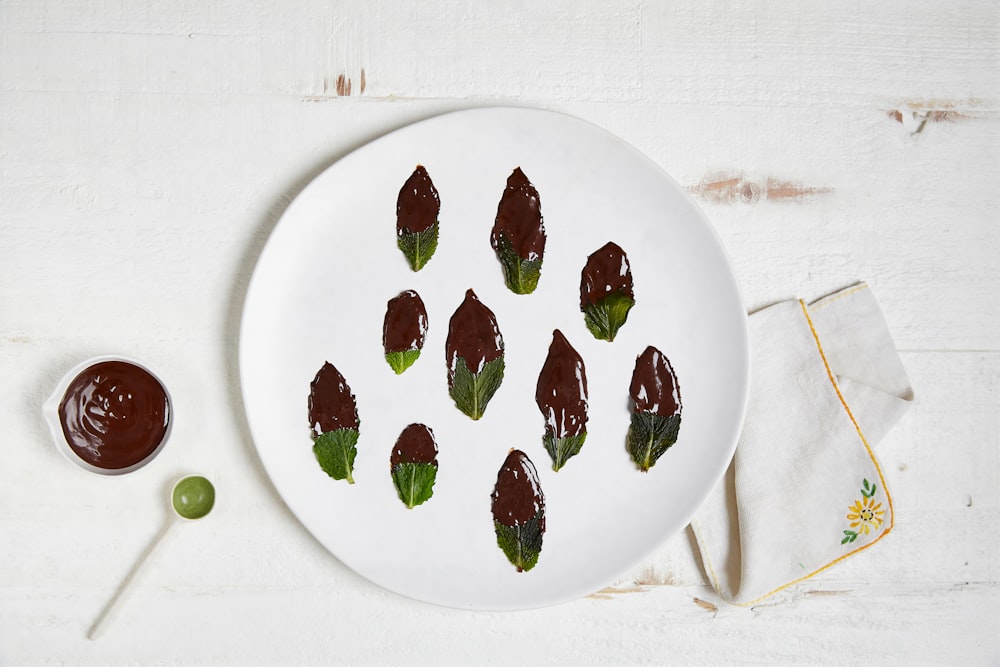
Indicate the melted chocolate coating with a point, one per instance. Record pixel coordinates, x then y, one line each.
415 445
561 393
114 414
654 384
517 496
405 324
331 403
473 334
418 204
606 271
519 218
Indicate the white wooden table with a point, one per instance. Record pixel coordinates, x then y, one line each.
147 150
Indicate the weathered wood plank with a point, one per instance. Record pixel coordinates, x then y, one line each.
859 197
932 578
743 53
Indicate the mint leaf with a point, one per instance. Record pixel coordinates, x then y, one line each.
400 361
607 316
473 391
562 449
335 452
649 436
521 544
521 275
418 247
414 482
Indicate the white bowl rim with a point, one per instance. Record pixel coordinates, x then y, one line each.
50 411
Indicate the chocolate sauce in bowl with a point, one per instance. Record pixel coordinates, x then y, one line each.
405 324
473 335
519 218
415 445
561 392
114 414
517 496
654 385
418 204
331 403
607 271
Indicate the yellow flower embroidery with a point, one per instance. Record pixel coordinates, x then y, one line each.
865 514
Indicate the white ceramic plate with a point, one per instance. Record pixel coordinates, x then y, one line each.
319 293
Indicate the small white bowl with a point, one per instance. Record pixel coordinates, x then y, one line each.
50 410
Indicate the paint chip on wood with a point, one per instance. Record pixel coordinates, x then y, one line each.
819 593
652 578
915 119
706 605
343 85
733 187
609 592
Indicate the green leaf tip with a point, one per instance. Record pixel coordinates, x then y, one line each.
608 315
649 436
400 361
521 544
521 275
472 391
335 452
414 482
562 450
418 247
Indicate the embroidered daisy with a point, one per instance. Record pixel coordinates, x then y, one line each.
865 515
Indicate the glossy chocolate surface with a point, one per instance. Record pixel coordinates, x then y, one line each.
561 392
517 496
519 218
331 403
607 271
473 335
418 204
654 384
405 324
114 414
415 445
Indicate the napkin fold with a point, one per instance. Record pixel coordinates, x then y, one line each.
805 490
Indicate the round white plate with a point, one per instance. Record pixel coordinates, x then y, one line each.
319 293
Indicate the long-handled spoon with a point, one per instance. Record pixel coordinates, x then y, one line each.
192 498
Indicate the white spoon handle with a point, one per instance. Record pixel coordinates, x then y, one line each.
115 600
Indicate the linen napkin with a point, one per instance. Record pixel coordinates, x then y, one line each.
805 490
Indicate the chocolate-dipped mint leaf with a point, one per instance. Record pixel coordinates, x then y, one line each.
334 423
656 418
519 511
413 464
606 294
404 330
561 395
417 208
474 352
518 235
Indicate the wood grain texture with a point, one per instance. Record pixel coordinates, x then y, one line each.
147 151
